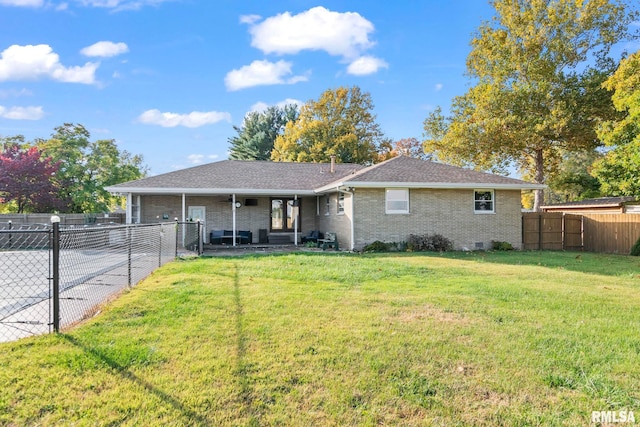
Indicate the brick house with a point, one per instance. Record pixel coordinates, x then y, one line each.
386 201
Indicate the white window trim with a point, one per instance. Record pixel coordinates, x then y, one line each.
396 211
338 211
327 205
493 201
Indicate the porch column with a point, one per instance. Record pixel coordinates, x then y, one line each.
128 219
184 207
233 216
295 220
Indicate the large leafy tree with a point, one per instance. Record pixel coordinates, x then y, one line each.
86 167
259 131
619 170
574 180
27 179
538 68
341 123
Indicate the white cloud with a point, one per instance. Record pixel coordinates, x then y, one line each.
105 49
262 106
366 65
339 34
259 107
22 3
192 120
261 73
438 87
119 5
35 62
196 159
249 19
14 93
21 113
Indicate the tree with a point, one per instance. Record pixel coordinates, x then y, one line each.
340 123
411 147
538 65
27 179
619 170
259 131
574 180
86 167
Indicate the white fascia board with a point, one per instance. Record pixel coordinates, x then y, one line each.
209 191
437 185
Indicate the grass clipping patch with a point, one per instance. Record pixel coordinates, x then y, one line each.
313 339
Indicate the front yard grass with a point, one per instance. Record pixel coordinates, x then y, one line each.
524 338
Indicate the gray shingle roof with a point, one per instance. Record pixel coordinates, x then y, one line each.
244 175
601 201
280 177
408 170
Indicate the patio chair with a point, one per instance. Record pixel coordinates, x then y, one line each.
330 240
313 236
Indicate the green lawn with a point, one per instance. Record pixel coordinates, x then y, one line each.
530 338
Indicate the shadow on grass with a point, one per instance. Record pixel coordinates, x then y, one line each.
189 415
583 262
242 367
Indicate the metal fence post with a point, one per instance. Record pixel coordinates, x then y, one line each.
200 238
55 221
177 237
10 237
159 245
129 281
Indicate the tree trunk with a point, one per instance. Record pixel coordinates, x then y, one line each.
539 179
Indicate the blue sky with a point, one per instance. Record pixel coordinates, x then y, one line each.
169 78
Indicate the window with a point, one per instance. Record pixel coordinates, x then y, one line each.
327 205
484 201
340 203
397 201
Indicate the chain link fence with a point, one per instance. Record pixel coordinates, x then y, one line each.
52 277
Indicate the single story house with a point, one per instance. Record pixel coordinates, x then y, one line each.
387 201
624 204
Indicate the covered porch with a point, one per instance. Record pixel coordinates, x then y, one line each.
233 219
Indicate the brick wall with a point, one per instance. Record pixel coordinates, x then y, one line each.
218 212
446 212
334 222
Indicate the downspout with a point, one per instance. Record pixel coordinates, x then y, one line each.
351 192
233 214
184 216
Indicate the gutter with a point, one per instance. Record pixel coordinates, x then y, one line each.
436 185
209 191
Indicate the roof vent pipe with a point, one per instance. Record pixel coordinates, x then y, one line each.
333 163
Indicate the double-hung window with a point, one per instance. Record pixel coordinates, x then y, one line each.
397 201
340 203
484 201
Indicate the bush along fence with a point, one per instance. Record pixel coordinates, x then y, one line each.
52 277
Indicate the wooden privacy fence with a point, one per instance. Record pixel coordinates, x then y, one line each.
606 233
